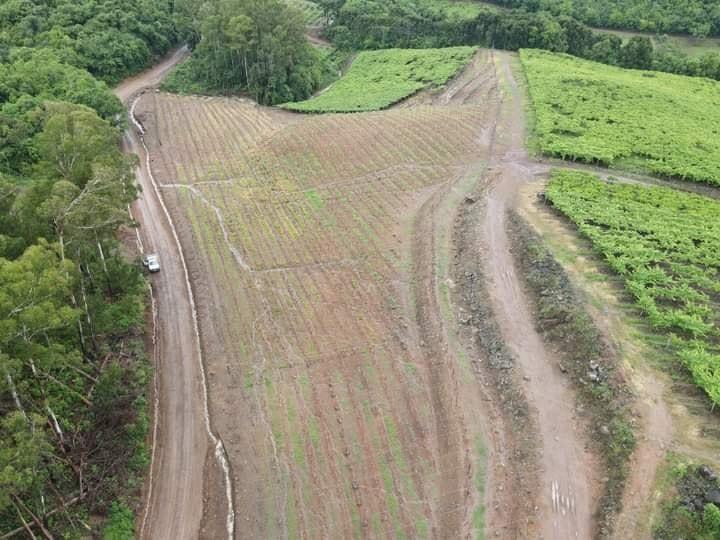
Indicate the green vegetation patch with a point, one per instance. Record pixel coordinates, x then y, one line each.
665 124
312 12
693 512
456 9
377 79
184 80
696 17
666 246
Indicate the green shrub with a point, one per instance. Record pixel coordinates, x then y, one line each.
121 523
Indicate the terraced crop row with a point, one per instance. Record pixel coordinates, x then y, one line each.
666 246
332 414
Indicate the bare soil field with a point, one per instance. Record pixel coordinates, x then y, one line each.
371 362
333 379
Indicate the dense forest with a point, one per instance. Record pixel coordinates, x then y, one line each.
376 24
109 38
72 368
696 17
73 374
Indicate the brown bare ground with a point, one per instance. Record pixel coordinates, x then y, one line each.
333 378
349 399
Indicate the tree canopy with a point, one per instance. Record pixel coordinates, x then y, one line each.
72 371
109 38
696 17
256 47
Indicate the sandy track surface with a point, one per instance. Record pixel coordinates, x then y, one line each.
174 506
152 77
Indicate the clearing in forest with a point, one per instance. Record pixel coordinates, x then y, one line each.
657 122
377 79
666 246
342 408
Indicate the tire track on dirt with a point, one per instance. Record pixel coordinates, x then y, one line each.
450 437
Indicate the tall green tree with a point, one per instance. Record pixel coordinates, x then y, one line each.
258 47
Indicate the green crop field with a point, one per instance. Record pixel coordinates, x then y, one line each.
377 79
666 246
664 124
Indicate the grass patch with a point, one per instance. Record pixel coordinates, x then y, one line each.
312 13
661 123
692 46
457 9
602 391
479 512
314 198
377 79
184 80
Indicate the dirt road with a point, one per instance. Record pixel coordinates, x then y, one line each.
567 473
182 435
152 77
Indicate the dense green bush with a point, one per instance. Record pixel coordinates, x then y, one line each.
251 46
121 523
109 38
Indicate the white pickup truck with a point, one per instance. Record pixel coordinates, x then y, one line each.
152 262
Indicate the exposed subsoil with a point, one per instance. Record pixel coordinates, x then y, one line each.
332 378
568 475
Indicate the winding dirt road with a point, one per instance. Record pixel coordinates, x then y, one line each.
181 432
